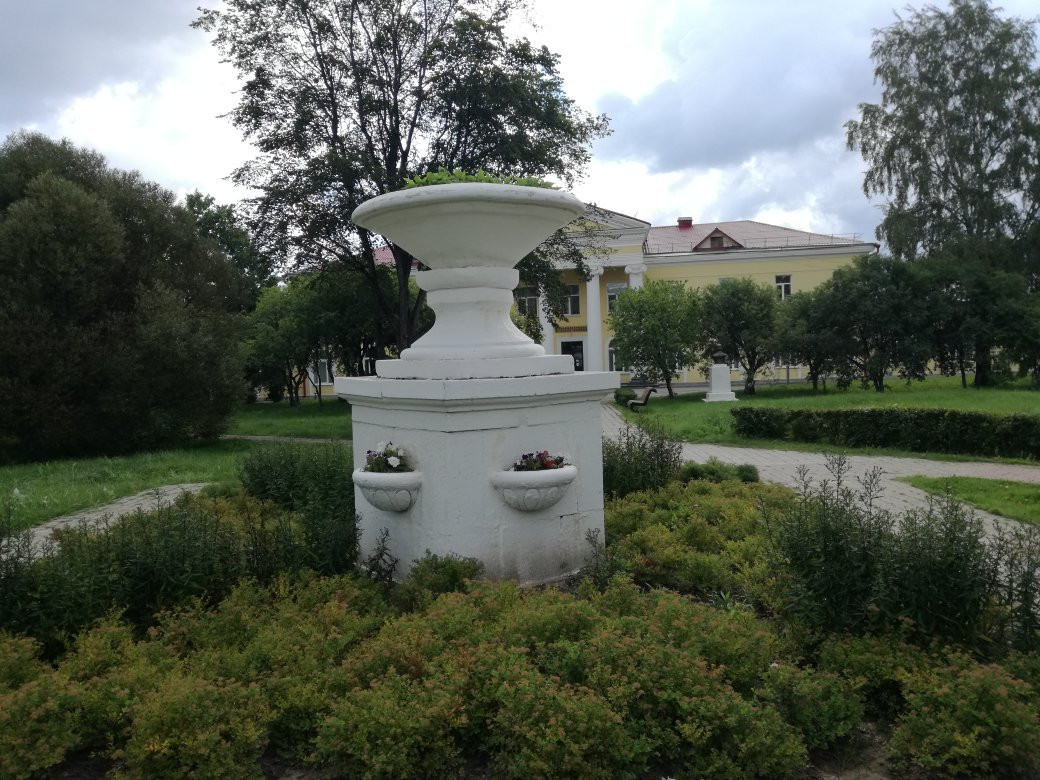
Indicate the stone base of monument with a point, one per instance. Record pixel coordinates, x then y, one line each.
720 384
463 438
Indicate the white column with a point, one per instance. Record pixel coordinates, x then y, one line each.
548 335
594 320
635 273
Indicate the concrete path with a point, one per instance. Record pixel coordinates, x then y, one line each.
145 500
782 466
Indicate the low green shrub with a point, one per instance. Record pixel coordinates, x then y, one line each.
977 722
623 395
314 480
193 727
37 726
432 575
919 430
639 459
19 661
877 668
847 566
715 470
821 705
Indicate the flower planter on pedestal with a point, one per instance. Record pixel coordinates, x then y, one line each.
532 491
474 391
391 491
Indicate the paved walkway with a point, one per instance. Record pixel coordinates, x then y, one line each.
782 466
145 500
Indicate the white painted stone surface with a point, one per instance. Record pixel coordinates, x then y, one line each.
721 389
474 394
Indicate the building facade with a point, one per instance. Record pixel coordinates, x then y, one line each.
697 255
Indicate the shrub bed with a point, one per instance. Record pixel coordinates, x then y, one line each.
918 430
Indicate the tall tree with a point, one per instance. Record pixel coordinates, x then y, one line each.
875 312
740 319
655 328
117 319
347 98
804 335
954 143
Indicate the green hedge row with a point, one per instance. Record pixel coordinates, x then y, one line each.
922 430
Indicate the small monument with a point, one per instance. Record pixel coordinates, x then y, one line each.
475 394
721 390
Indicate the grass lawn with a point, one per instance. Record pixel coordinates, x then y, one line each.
37 492
327 420
689 418
1017 500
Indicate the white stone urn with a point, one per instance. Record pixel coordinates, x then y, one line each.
470 236
533 491
391 491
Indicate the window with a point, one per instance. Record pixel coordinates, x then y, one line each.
613 290
717 242
323 375
783 285
571 301
527 301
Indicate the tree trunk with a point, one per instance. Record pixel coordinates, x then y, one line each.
668 384
983 365
960 365
879 383
403 266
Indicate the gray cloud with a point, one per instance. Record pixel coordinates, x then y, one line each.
53 50
752 77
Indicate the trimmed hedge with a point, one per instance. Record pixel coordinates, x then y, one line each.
919 430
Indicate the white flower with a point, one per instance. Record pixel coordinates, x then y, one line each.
381 446
394 462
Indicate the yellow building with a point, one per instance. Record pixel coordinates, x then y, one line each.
697 255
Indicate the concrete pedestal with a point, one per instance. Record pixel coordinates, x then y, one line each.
721 390
461 435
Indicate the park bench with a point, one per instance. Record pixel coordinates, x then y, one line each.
642 399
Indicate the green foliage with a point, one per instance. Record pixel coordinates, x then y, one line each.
121 291
920 430
714 470
697 537
977 722
339 122
639 459
849 566
876 667
820 705
623 395
458 176
432 575
193 726
739 318
37 726
655 328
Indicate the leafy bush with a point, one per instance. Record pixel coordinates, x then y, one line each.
314 480
919 430
37 726
820 705
977 722
717 471
876 668
196 727
847 566
432 575
623 395
697 537
639 459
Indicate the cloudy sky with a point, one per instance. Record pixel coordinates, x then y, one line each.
720 109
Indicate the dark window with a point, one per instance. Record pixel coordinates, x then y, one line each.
527 301
783 285
717 242
571 301
613 290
